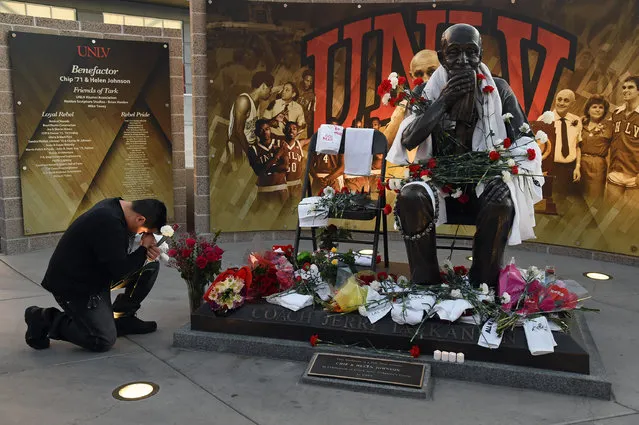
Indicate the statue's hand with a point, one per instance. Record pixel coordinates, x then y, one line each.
496 191
457 87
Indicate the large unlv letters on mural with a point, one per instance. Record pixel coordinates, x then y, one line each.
534 92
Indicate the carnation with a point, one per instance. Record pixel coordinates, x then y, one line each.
505 298
505 175
547 117
507 117
541 137
167 231
455 293
525 128
484 289
386 98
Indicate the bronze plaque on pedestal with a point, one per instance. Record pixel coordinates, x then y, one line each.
369 369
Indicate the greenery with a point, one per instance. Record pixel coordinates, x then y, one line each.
330 235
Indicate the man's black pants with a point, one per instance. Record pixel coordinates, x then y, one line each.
89 321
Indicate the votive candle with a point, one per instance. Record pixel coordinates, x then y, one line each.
444 356
460 357
452 357
437 355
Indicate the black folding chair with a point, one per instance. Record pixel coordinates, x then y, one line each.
380 147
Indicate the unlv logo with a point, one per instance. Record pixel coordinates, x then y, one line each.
93 52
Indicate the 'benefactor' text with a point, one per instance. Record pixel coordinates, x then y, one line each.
93 71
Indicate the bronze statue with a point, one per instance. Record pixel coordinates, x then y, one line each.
450 121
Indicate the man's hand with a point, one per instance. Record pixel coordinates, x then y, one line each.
496 191
460 84
148 240
153 252
576 175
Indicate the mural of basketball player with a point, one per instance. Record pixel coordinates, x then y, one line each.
307 100
284 110
623 178
327 170
295 155
269 162
244 114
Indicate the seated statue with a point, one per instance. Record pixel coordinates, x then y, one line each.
461 117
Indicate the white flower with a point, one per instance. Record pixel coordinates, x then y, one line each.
505 298
402 281
395 184
456 293
541 137
507 116
547 117
426 178
525 128
484 289
394 81
329 192
444 285
375 286
511 162
392 75
457 193
505 175
167 231
386 98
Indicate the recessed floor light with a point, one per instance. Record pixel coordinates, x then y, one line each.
134 391
469 258
597 276
366 251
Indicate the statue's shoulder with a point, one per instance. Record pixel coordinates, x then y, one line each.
502 85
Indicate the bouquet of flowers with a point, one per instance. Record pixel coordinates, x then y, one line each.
523 295
198 258
327 262
228 290
396 89
336 203
272 273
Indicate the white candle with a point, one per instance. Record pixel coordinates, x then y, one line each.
452 357
460 357
437 355
444 356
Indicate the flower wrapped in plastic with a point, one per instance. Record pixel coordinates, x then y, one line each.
272 273
228 290
349 297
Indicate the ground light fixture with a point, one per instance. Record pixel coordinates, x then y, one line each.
597 276
134 391
365 252
469 258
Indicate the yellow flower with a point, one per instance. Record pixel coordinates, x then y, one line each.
333 250
334 262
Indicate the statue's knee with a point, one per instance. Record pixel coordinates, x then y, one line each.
414 208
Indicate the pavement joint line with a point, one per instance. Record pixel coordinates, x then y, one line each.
20 273
195 383
614 306
592 420
25 297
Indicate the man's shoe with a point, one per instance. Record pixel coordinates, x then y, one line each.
131 325
37 328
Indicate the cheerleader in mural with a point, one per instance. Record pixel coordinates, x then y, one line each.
596 136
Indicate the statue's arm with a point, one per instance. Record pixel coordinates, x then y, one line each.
423 126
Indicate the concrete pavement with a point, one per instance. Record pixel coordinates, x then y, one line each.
66 385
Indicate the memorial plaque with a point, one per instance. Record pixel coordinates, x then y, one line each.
93 121
369 369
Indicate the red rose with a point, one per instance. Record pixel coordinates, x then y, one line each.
382 276
447 189
190 242
413 168
464 198
201 261
186 253
172 252
460 270
378 259
210 255
314 340
401 96
175 226
387 209
531 154
481 77
393 276
401 81
425 173
514 169
414 351
380 185
494 155
392 101
488 89
507 142
384 87
432 163
366 278
204 245
418 81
